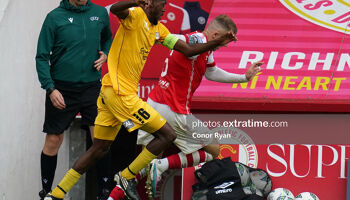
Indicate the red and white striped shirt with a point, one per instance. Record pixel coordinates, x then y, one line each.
181 76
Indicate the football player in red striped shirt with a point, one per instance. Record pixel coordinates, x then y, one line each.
180 77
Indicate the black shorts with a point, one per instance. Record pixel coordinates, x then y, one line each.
77 99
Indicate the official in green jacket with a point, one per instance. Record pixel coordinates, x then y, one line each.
73 45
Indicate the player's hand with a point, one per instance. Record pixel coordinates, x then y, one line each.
227 38
57 100
98 63
142 3
253 70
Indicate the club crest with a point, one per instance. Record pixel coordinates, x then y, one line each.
331 14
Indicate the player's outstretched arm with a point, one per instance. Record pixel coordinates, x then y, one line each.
120 9
219 75
194 49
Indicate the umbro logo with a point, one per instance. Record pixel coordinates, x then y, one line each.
224 185
70 19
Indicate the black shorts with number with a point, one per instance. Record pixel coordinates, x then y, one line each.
77 99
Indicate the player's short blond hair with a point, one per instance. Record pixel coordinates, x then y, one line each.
224 22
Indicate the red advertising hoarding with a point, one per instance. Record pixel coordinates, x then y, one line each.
320 169
305 47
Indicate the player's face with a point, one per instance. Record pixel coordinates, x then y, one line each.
78 2
157 10
218 34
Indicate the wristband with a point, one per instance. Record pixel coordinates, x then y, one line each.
50 90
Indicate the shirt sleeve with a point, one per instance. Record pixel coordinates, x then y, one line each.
219 75
194 38
133 19
181 37
45 45
211 61
163 33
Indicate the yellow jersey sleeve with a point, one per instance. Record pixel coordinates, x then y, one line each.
133 19
163 33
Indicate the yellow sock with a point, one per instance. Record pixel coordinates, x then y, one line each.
139 163
68 181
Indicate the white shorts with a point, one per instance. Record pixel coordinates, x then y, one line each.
182 125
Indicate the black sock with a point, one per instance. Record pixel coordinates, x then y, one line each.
48 168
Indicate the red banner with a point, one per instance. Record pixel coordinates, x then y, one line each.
305 57
320 169
304 45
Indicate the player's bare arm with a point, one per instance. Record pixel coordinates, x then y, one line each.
120 9
195 49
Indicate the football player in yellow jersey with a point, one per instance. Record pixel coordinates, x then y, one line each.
118 103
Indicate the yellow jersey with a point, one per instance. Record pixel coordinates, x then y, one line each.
128 54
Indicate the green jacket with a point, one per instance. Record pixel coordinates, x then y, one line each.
69 42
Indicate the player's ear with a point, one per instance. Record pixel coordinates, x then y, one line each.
150 3
215 34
